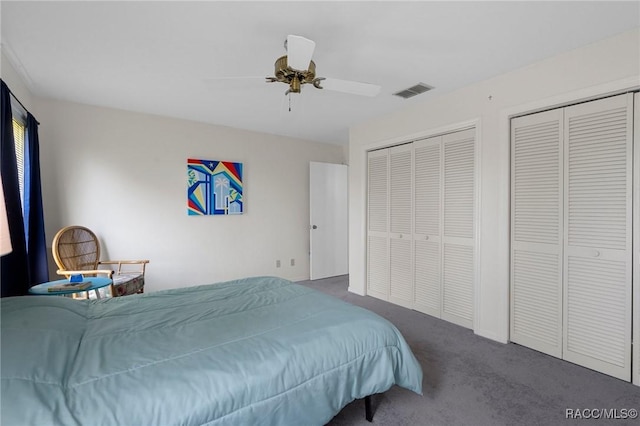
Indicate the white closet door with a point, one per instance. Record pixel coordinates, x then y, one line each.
536 231
427 226
401 219
458 227
597 248
378 224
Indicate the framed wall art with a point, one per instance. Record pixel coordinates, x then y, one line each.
214 187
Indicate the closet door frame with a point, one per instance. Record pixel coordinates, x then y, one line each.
611 88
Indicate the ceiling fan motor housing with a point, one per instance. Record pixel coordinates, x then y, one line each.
294 78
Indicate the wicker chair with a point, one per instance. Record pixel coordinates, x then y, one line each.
76 250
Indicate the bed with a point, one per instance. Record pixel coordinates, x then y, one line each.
254 351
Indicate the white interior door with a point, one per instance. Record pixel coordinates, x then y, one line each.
571 248
378 224
427 226
597 235
329 220
536 231
400 225
458 232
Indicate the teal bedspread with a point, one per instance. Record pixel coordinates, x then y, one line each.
255 351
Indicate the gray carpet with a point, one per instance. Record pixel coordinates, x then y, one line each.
473 381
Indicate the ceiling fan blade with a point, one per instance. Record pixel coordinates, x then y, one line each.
353 87
299 52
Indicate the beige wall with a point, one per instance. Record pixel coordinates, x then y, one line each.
123 175
594 70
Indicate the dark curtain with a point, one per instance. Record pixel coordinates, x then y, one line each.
33 212
14 267
26 265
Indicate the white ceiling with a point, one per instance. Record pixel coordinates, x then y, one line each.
169 58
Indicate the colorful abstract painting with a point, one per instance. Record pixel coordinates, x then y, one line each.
214 187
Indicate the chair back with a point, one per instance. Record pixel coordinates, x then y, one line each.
76 248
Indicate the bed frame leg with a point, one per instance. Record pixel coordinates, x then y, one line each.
368 413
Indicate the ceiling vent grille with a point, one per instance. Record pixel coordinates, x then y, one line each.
413 91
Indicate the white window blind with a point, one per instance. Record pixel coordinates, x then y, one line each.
18 136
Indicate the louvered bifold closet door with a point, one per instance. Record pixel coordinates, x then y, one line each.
378 224
427 226
400 225
536 231
597 234
458 227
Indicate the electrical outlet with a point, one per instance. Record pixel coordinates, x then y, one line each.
277 263
293 262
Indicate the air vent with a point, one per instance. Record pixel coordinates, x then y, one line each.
413 90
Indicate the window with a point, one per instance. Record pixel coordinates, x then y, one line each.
18 136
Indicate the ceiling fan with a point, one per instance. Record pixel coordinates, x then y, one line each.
297 69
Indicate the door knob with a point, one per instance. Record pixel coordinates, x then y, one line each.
314 227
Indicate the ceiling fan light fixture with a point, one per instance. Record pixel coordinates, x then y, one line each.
300 50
